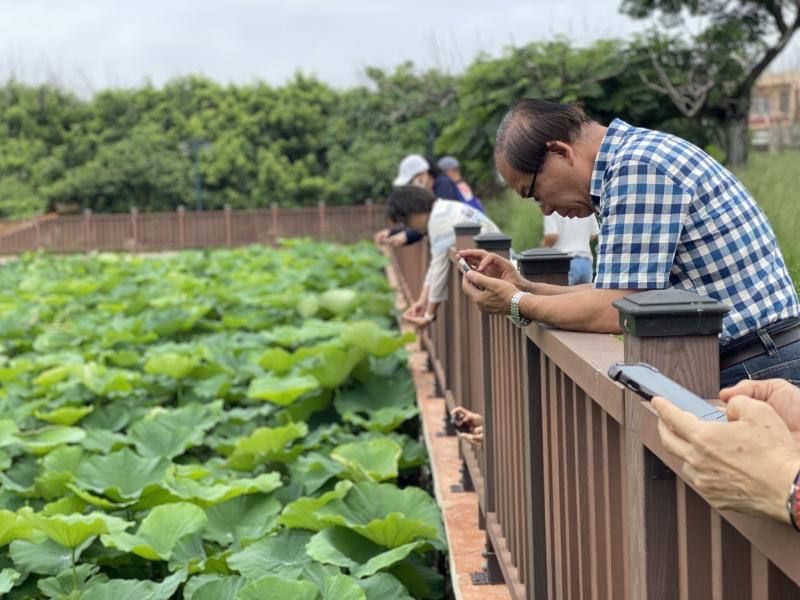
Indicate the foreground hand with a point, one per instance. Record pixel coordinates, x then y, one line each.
746 464
492 265
781 395
489 294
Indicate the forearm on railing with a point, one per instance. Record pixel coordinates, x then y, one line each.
548 289
584 310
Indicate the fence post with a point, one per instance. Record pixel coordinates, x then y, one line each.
181 225
499 244
321 213
465 232
370 213
87 228
676 332
37 223
228 237
134 228
544 265
274 212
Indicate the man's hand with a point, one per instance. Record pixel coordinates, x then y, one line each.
492 265
489 294
746 464
781 395
470 425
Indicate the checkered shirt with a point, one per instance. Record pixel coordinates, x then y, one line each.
673 217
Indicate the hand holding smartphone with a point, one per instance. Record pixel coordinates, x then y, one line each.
647 381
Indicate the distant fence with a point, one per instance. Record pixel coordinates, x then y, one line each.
577 495
161 231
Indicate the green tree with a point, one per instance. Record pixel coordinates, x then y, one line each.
712 76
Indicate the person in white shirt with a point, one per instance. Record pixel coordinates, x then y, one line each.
571 236
418 209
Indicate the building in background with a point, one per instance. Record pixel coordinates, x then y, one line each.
775 111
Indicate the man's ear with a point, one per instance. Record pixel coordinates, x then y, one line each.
563 149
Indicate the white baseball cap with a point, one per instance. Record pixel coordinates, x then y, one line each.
412 165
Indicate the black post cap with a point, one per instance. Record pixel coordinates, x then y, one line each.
537 261
670 312
493 242
467 228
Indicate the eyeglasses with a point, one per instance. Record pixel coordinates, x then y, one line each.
533 185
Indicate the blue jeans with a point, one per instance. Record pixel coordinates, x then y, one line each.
580 270
776 363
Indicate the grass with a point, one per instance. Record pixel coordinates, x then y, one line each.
772 178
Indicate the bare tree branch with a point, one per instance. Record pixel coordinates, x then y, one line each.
689 97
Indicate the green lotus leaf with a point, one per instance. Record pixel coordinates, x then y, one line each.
342 587
267 444
66 415
278 588
340 301
121 475
212 587
203 493
102 381
370 337
333 366
313 470
277 360
281 390
385 514
13 527
160 531
418 578
213 387
383 586
8 577
345 548
176 365
371 459
134 589
168 433
71 531
241 520
46 558
54 375
281 554
301 514
381 404
64 506
8 432
43 440
63 584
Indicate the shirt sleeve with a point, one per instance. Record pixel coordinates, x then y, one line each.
439 268
550 227
643 218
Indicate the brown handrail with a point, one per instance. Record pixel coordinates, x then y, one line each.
577 495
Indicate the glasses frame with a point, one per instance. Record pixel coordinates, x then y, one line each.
533 185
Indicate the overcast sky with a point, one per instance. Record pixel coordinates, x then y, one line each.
89 45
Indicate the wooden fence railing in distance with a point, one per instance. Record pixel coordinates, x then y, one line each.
577 495
163 231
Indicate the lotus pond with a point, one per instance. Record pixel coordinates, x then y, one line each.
232 424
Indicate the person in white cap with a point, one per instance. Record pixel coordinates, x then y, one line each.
416 170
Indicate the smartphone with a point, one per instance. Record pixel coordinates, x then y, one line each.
464 265
647 381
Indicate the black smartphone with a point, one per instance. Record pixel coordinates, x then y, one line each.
647 381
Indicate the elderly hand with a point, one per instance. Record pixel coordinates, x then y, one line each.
492 265
489 294
470 425
747 464
778 393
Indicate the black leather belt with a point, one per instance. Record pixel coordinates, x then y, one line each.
754 346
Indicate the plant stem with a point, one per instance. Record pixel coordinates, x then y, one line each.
74 573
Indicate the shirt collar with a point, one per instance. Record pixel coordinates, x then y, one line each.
616 132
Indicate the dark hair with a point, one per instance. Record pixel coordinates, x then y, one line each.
407 200
433 169
525 130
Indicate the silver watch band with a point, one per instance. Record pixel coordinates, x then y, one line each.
516 317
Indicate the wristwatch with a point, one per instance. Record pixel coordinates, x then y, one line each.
516 318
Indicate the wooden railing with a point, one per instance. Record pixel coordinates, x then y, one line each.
577 495
160 231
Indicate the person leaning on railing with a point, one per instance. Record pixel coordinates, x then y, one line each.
418 210
750 464
672 217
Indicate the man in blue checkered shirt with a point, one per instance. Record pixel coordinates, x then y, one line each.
671 217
